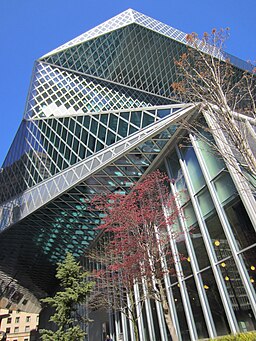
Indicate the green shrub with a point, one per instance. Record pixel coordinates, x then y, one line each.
251 336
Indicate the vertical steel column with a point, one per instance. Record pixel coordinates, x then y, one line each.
241 184
228 231
167 281
161 320
130 321
150 322
180 276
117 326
124 325
203 228
199 285
139 312
111 325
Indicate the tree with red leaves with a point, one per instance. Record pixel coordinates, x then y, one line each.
135 250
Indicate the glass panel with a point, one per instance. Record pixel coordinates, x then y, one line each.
193 167
185 259
224 187
122 129
189 214
213 162
147 119
205 202
240 224
163 112
102 133
249 258
182 190
136 118
113 122
196 308
155 320
174 164
199 248
216 306
238 296
218 238
180 312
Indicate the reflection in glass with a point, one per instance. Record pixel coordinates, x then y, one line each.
194 170
182 191
205 202
186 266
196 308
224 187
249 258
189 215
218 238
213 162
240 224
155 320
238 296
180 312
215 303
199 248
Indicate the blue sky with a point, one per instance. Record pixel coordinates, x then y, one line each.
31 28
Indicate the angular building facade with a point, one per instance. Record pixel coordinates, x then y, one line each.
99 115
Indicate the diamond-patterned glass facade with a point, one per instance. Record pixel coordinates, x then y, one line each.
99 115
134 56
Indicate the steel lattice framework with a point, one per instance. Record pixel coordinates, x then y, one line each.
99 114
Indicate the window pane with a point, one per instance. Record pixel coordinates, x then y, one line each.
186 266
224 187
196 308
216 306
249 258
238 296
241 224
182 191
213 162
205 202
193 167
218 238
181 315
189 214
199 248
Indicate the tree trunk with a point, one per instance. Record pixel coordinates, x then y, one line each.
135 329
166 311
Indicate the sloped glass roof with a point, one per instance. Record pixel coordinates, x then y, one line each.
130 16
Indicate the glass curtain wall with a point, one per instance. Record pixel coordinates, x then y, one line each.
217 244
212 282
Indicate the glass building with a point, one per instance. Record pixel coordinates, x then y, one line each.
99 114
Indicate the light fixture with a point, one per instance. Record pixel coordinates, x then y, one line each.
226 278
188 259
223 264
252 267
206 287
217 242
252 280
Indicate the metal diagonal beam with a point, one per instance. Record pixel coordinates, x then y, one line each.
41 194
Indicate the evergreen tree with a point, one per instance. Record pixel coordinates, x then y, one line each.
74 290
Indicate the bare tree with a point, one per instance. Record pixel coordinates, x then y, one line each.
225 95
